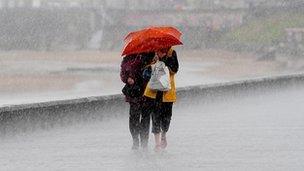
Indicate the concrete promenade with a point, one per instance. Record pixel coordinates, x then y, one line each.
253 128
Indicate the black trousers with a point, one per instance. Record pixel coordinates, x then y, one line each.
161 113
139 124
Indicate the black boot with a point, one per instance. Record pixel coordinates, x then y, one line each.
144 144
135 145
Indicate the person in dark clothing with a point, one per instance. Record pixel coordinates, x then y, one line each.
131 74
160 103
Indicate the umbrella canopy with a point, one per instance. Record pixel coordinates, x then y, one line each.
169 30
151 39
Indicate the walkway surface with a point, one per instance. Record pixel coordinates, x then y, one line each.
256 132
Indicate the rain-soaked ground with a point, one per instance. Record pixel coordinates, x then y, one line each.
256 132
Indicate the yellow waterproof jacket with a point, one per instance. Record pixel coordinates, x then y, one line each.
168 96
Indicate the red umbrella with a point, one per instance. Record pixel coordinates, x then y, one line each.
169 30
151 39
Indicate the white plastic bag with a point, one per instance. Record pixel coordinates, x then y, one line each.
160 77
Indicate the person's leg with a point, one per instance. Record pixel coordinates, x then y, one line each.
134 124
157 137
156 121
156 126
166 111
147 109
163 141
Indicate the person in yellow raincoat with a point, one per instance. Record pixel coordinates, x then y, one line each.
159 103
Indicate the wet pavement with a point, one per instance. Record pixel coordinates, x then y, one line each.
254 132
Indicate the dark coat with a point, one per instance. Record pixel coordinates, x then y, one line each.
132 66
171 62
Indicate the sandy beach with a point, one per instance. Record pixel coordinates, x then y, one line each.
27 76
